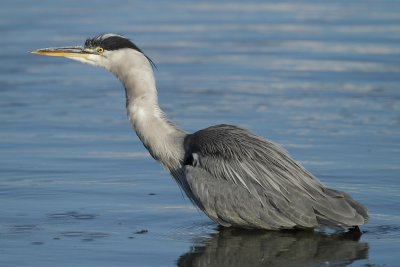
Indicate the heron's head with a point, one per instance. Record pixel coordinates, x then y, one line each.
110 51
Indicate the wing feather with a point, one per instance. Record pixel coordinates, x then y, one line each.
223 202
235 154
245 180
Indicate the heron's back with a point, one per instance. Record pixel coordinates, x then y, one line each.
238 178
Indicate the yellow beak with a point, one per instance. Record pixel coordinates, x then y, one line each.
73 51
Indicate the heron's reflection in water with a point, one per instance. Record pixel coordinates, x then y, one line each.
234 247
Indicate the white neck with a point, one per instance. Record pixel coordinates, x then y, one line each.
162 139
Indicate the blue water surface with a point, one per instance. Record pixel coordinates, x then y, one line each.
77 188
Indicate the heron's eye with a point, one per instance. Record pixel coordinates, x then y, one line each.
99 50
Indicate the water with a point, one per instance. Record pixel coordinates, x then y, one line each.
77 188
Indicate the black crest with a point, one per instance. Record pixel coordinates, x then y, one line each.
112 42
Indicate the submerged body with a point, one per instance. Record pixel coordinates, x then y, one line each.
234 176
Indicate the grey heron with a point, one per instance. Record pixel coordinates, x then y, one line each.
235 177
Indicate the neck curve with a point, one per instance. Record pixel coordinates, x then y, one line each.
162 139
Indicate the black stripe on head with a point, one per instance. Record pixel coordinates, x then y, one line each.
112 42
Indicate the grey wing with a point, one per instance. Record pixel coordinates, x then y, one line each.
238 178
230 204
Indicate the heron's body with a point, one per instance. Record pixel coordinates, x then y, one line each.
235 177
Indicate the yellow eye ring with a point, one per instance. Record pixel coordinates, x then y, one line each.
99 50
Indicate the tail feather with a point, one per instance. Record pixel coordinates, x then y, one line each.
361 209
338 208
